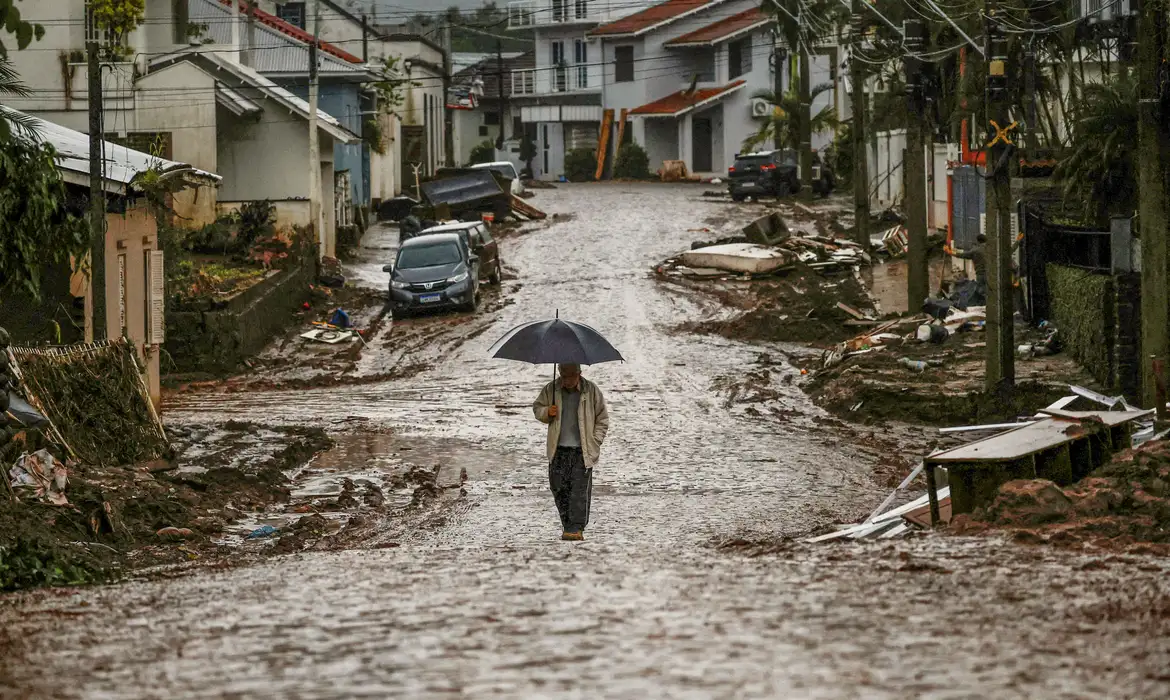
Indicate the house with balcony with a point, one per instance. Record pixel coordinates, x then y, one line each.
482 110
686 71
559 97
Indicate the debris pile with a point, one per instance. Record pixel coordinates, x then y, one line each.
1032 473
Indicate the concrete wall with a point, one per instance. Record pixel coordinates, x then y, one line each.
180 100
265 159
660 139
129 238
385 168
219 341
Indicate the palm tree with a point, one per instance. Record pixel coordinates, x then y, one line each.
783 127
11 86
1099 171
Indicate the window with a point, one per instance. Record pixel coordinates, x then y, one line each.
580 9
623 64
491 118
106 39
739 57
483 130
517 127
581 58
293 13
560 74
560 10
180 13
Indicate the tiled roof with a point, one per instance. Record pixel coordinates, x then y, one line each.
726 28
682 102
292 30
652 17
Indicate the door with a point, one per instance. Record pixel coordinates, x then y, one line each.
414 142
701 145
581 69
560 71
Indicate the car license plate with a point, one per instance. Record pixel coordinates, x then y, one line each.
430 298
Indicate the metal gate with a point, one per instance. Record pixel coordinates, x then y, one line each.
969 196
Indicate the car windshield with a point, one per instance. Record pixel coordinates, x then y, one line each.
752 161
428 256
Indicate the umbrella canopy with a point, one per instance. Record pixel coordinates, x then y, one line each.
557 342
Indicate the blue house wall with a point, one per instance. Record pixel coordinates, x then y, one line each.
342 101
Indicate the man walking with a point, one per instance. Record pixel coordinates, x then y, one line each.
574 410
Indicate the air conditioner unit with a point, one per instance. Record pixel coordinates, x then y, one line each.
760 108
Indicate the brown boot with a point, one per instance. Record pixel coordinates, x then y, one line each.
573 536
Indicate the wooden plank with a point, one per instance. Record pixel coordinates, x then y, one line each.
889 499
526 209
897 531
990 426
621 138
603 143
851 311
921 516
1109 418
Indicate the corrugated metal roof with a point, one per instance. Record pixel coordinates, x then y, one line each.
250 79
234 102
272 51
122 164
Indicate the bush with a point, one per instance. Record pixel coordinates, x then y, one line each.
257 219
484 152
632 163
580 165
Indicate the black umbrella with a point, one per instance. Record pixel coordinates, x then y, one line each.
555 342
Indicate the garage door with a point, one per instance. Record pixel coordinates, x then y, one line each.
581 136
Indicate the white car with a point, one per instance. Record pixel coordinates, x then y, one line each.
507 169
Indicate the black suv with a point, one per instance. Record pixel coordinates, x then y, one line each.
765 173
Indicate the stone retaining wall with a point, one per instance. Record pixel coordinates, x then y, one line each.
218 340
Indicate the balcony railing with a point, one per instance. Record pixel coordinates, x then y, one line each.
535 13
524 82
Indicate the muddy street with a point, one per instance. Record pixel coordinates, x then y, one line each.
685 587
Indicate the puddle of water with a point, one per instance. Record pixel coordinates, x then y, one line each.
887 283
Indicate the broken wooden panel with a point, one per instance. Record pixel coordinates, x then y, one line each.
1062 448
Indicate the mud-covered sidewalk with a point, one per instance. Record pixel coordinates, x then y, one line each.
686 585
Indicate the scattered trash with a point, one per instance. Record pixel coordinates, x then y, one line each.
328 335
736 257
896 241
929 333
340 318
716 181
23 413
41 473
913 365
262 532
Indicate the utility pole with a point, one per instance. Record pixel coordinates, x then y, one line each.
97 199
860 117
1001 150
500 91
365 41
1152 151
315 186
805 109
918 272
448 125
778 63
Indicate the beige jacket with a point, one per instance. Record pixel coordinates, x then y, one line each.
592 416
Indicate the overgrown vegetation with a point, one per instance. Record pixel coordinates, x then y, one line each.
117 18
631 163
36 227
580 165
11 23
484 152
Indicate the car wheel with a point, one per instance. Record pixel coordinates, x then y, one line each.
737 197
498 275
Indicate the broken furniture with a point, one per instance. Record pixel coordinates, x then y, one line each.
468 192
1062 447
767 230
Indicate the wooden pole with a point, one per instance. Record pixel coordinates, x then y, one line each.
1001 151
917 273
860 117
97 199
316 193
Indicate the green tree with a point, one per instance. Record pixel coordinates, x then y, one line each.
484 152
631 163
580 165
35 225
11 22
783 126
1099 171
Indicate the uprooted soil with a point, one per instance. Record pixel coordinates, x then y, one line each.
798 306
875 387
1124 504
131 517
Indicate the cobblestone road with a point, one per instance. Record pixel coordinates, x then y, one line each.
492 604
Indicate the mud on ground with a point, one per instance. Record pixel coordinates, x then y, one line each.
112 523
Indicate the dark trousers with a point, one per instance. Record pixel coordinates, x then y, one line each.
572 487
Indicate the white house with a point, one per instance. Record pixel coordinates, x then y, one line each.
561 94
481 106
192 93
686 72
